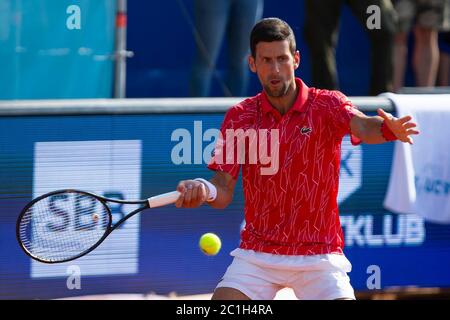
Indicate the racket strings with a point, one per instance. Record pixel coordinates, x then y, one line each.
62 226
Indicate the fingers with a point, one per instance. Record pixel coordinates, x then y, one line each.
386 116
181 188
193 194
406 136
203 193
409 132
402 127
409 125
404 119
188 196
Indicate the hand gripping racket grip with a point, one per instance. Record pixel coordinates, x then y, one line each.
163 199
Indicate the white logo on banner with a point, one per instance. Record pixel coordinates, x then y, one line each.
110 168
74 20
350 178
396 230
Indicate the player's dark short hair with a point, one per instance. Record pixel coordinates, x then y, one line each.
271 29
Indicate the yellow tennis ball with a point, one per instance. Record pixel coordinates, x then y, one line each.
210 244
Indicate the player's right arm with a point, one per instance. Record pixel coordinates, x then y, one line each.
225 184
194 193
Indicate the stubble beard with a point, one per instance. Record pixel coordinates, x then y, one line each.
276 93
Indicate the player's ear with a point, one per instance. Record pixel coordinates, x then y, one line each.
296 59
251 63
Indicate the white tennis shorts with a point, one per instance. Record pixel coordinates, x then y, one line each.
315 277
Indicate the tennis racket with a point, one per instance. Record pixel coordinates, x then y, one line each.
64 225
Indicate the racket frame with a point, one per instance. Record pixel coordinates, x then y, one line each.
110 228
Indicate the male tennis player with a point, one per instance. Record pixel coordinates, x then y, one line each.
292 235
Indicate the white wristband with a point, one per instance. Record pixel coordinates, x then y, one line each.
212 189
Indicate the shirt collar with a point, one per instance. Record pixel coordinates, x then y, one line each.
299 103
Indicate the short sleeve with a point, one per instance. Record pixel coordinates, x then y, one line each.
224 157
342 112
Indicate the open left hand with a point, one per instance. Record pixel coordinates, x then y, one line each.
401 127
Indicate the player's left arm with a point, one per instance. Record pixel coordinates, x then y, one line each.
368 129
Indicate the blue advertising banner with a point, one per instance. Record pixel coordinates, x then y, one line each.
133 157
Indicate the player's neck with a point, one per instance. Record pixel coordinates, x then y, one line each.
284 103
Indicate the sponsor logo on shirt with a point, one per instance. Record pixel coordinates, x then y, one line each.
306 131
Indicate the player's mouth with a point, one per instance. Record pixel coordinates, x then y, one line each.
275 82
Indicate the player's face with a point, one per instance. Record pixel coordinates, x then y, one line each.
275 65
